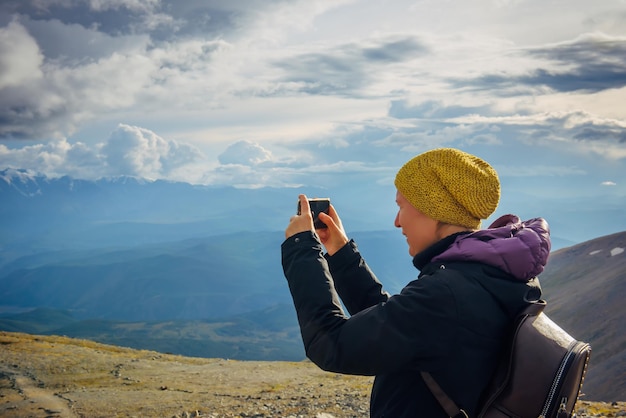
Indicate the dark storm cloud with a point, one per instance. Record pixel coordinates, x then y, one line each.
75 43
567 128
393 50
347 68
592 78
599 63
578 126
115 19
592 132
161 19
591 64
42 98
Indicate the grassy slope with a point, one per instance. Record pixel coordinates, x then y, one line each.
102 380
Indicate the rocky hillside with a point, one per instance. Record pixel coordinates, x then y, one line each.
585 286
42 376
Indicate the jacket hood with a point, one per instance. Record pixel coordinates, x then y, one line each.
520 249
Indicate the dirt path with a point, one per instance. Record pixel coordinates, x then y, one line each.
25 398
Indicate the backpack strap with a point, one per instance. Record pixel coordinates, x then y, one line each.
534 308
444 400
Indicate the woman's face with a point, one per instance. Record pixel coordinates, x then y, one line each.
420 230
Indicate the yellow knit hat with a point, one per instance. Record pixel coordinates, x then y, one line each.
450 186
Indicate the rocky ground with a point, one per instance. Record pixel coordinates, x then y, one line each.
62 377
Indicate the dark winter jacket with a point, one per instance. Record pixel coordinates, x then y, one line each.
451 321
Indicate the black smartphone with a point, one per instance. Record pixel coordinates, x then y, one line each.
318 205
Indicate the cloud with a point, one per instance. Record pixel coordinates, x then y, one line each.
129 150
73 45
135 151
20 58
590 132
280 92
54 158
609 183
603 136
432 109
589 63
161 19
113 17
85 72
243 176
245 153
49 100
349 68
531 170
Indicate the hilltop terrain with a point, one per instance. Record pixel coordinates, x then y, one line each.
44 376
62 377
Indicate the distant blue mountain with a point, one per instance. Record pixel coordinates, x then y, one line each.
132 249
42 213
190 279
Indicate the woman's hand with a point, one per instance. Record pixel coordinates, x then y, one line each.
333 237
303 221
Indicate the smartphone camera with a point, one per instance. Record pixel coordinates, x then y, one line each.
318 205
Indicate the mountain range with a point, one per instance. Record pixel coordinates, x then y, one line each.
42 213
195 270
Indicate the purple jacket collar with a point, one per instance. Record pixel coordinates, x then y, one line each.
521 249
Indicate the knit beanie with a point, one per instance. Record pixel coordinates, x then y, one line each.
450 186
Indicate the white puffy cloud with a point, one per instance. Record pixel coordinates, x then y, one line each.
129 150
245 153
55 158
20 58
135 151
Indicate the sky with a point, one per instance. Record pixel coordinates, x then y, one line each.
280 93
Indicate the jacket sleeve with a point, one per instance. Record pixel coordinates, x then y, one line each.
355 283
415 328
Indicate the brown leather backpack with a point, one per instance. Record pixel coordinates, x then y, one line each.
540 375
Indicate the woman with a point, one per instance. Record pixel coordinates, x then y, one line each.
452 320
